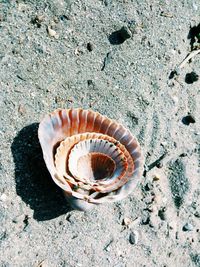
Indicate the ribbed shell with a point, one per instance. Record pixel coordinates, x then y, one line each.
63 130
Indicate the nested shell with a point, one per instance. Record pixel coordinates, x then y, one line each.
92 158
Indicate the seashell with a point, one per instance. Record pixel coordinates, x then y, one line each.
92 158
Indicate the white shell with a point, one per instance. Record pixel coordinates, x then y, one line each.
73 138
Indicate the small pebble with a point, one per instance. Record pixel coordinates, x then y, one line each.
197 214
188 119
162 214
133 238
159 165
183 155
191 77
156 178
125 33
21 109
126 221
52 33
118 37
188 227
90 47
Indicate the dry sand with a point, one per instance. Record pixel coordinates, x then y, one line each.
62 54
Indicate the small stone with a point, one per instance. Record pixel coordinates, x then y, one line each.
21 109
183 155
156 178
188 119
126 221
125 33
188 227
162 214
120 36
159 165
134 237
52 33
197 214
191 77
90 47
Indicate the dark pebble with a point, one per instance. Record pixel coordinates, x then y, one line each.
191 77
162 214
183 155
118 37
159 165
188 227
197 214
25 221
133 238
90 47
173 74
125 33
188 119
64 17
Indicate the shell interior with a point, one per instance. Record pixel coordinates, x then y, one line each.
113 158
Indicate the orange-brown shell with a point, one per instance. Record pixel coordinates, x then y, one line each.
64 128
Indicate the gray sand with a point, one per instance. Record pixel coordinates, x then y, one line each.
126 81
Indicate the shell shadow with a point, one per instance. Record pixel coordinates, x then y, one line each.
33 182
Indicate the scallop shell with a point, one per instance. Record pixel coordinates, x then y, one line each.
92 158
